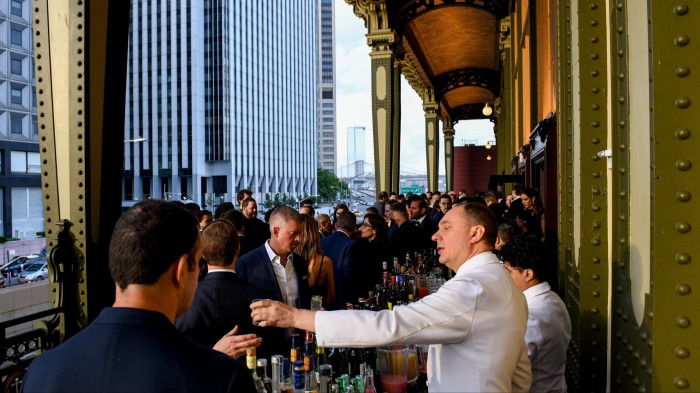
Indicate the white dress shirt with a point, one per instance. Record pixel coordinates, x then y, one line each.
286 278
547 337
476 324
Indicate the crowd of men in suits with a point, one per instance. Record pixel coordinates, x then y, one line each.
156 247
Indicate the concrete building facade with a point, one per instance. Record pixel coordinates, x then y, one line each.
221 96
20 167
327 132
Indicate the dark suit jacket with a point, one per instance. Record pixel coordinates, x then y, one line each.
255 267
339 248
221 302
134 350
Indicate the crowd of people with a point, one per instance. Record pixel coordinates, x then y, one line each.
187 279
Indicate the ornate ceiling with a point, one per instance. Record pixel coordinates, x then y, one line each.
450 46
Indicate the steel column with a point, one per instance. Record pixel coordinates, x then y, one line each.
432 146
674 36
449 132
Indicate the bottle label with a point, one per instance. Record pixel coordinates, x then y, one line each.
250 362
293 355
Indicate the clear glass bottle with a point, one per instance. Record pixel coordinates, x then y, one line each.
251 363
369 381
261 371
277 373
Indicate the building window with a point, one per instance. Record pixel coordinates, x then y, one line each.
328 113
326 95
327 149
16 124
328 120
17 7
25 162
16 66
328 126
328 135
16 95
16 37
327 105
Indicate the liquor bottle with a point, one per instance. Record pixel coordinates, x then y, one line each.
299 376
408 261
321 357
337 359
397 267
277 373
294 353
251 363
325 372
262 374
385 267
392 296
310 382
369 381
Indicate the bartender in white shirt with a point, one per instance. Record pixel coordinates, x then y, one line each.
475 323
548 324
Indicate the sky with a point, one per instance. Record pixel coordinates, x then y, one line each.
354 102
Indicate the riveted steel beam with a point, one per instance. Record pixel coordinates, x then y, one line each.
505 128
674 34
591 334
80 49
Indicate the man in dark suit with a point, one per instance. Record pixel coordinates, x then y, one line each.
221 304
133 346
408 237
418 212
339 248
274 267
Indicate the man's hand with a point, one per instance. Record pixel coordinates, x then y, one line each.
235 346
274 313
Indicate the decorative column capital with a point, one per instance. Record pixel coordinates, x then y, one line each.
504 37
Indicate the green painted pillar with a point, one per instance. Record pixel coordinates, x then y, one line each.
590 278
432 146
449 132
675 115
386 103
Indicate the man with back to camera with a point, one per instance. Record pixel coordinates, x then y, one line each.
548 324
339 248
220 304
475 323
133 346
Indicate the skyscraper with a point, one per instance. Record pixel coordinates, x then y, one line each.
327 150
20 165
225 96
356 151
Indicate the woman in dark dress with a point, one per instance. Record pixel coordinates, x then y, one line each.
371 250
320 266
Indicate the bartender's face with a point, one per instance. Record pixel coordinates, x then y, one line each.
453 240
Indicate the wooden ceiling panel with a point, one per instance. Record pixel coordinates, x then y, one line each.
467 95
458 37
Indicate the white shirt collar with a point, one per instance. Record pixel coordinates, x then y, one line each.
274 258
536 290
477 261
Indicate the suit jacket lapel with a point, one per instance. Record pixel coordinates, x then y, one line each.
270 272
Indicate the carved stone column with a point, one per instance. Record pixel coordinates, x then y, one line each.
432 147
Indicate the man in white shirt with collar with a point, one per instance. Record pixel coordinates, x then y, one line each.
273 266
475 323
548 326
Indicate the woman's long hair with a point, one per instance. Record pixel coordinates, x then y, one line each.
309 240
379 225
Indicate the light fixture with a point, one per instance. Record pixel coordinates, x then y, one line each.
489 144
487 111
488 157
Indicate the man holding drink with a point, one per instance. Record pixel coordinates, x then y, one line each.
475 323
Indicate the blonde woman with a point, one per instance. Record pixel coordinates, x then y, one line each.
320 266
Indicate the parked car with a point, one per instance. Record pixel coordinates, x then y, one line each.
15 266
36 271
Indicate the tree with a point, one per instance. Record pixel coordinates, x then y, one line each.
329 185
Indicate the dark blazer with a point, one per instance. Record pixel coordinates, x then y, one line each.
255 267
221 302
134 350
339 248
